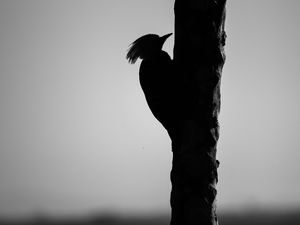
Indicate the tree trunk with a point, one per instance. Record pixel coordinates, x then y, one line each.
198 58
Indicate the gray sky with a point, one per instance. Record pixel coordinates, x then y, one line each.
76 134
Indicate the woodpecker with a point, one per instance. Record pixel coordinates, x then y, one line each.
157 77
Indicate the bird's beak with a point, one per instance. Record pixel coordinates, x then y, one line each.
165 37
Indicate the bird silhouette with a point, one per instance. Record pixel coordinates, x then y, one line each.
157 77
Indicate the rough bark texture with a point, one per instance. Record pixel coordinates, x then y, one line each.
199 58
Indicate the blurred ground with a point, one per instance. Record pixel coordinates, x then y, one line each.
247 218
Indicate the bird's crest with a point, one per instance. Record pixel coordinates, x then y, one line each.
139 46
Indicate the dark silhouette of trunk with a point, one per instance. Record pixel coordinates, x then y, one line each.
198 58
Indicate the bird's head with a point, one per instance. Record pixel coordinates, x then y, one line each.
146 47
